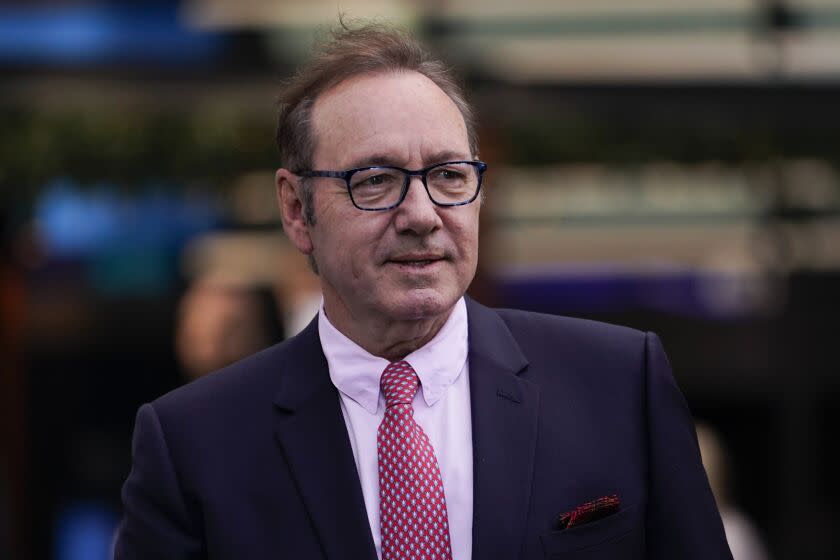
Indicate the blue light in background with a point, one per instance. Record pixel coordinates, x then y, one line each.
79 223
85 531
85 34
73 224
128 244
678 290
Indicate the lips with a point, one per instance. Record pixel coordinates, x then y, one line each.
417 259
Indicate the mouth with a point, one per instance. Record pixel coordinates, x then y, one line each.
415 264
416 261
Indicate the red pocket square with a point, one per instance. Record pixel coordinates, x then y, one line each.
589 512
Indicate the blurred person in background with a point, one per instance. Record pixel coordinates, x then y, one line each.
407 420
219 324
744 539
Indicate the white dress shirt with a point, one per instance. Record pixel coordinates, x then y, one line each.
441 407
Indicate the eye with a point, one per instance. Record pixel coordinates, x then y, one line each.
447 174
375 180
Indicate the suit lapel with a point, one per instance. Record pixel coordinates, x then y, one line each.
313 436
504 425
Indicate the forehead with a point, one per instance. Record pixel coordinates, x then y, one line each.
403 117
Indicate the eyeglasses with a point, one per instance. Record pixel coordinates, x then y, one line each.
452 183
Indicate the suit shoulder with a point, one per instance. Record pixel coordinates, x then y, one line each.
576 341
580 356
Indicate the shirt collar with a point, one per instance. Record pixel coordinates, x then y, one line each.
355 372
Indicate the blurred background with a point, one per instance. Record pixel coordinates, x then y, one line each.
672 166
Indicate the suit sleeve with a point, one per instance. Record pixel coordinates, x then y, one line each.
156 522
682 518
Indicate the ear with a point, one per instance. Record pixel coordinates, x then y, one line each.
291 210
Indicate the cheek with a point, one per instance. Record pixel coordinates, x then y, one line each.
465 236
356 251
467 241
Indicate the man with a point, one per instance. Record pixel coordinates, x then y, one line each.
407 421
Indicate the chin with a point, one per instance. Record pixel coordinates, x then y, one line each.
423 304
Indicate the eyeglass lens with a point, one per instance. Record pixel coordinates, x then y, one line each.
380 187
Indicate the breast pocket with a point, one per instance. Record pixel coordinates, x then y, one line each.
617 537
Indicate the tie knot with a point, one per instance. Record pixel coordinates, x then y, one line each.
399 383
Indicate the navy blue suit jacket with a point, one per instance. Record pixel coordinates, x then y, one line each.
254 461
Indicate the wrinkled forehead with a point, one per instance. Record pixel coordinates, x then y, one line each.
403 116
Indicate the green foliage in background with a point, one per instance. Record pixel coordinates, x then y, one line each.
128 148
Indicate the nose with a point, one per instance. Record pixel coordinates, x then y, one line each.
417 214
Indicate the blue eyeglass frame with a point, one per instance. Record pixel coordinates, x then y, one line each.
422 173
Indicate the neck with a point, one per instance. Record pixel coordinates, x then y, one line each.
391 340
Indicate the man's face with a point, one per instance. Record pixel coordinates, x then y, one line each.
412 262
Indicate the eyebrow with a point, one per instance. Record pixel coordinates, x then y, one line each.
391 161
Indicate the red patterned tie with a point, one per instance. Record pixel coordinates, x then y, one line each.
412 507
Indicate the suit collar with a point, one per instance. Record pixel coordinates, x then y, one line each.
313 437
305 370
505 407
491 340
